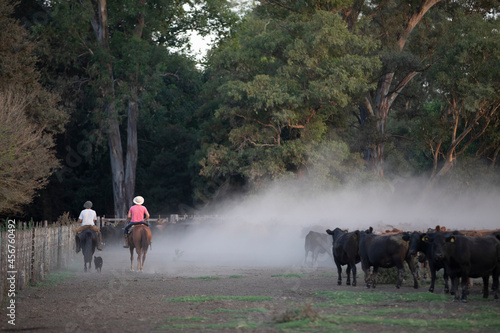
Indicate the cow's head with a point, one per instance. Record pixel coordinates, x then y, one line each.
415 242
336 233
439 242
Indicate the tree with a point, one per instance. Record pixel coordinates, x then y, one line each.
120 56
29 117
393 23
467 76
281 84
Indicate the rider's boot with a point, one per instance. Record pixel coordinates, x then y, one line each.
126 241
99 243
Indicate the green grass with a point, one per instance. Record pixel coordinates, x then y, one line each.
238 310
291 275
217 326
195 299
187 319
54 279
205 278
365 298
451 325
236 276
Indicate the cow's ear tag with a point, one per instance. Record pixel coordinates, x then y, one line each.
425 238
452 240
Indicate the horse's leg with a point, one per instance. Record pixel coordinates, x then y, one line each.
139 260
131 258
143 259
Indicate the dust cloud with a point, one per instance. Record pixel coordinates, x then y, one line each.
268 229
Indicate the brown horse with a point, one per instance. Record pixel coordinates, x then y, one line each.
139 239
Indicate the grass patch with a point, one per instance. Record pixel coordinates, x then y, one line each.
236 276
291 275
297 314
365 298
54 279
237 311
208 326
454 324
187 319
195 299
205 278
328 275
353 298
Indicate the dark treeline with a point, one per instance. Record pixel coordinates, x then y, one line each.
100 100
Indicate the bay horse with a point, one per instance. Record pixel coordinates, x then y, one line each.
139 238
87 241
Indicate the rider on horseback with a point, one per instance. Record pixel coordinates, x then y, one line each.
137 214
87 218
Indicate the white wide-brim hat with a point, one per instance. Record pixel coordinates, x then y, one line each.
139 200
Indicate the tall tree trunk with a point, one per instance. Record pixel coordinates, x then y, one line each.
133 115
117 169
383 97
132 150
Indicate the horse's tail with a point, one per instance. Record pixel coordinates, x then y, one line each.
87 251
144 240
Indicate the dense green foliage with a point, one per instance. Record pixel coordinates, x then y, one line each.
308 89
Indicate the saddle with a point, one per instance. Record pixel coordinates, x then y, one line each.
136 224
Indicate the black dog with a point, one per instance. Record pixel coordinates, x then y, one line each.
98 263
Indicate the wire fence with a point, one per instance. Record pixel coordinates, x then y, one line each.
29 251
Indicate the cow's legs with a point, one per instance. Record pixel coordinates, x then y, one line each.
446 284
433 278
454 287
411 264
354 272
315 257
339 272
485 286
465 287
401 272
374 276
352 267
348 272
366 270
495 283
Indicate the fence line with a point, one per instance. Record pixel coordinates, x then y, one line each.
32 253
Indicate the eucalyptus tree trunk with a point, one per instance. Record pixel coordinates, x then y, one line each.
381 103
123 168
133 115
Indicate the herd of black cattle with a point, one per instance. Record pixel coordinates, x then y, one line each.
462 257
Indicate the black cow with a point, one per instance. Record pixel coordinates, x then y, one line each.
465 256
317 243
345 252
386 252
422 242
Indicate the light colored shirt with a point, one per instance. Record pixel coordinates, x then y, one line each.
137 213
88 217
